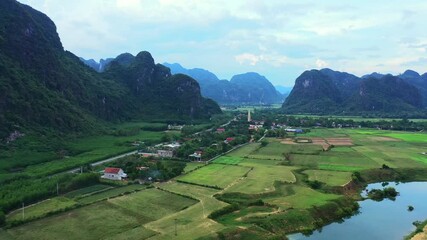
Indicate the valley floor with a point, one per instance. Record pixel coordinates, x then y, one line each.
256 191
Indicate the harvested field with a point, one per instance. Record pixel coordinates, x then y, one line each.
321 142
288 141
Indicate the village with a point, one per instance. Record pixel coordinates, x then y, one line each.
148 163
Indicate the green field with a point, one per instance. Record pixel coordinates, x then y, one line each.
215 175
271 187
114 192
87 191
41 209
332 178
192 222
152 204
193 165
91 222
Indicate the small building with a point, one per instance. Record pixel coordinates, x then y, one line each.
197 156
172 146
294 130
228 140
114 173
147 154
165 153
220 130
175 127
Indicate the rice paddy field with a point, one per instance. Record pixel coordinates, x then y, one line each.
270 185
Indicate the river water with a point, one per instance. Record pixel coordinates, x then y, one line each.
387 219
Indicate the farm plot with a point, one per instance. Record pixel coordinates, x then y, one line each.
232 160
152 204
96 221
215 175
261 179
87 191
245 150
303 198
273 151
332 178
42 208
192 222
109 194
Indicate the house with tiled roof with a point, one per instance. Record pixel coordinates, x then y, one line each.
114 173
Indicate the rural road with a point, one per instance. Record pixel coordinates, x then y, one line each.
76 170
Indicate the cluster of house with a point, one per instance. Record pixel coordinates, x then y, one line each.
175 127
160 150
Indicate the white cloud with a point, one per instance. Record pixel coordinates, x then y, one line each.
248 58
321 64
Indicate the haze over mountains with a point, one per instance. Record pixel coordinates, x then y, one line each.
41 85
248 88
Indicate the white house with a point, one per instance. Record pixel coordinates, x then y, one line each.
114 174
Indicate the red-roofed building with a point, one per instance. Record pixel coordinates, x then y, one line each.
114 173
229 139
220 130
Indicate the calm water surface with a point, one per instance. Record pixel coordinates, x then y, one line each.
380 220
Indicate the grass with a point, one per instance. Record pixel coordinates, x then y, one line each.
261 179
42 208
192 222
215 175
245 150
96 221
303 198
332 178
87 191
228 160
192 166
109 194
152 204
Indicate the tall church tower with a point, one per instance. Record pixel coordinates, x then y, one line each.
249 116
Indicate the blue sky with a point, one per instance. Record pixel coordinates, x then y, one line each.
276 38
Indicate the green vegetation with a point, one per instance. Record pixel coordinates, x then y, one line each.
111 193
87 191
215 175
332 178
41 209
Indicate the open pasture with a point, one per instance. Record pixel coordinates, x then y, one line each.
261 179
245 150
232 160
87 191
96 221
215 175
152 204
41 209
331 178
192 222
304 198
114 192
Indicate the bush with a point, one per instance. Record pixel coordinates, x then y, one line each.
223 211
2 218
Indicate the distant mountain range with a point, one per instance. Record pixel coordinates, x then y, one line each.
247 88
331 92
44 87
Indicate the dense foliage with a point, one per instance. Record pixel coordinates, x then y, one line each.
329 92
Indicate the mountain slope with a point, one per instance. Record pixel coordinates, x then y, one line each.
330 92
249 88
44 87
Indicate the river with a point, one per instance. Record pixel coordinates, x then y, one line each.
379 220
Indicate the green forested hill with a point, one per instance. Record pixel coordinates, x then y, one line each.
330 92
43 86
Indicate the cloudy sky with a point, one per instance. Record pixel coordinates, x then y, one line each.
276 38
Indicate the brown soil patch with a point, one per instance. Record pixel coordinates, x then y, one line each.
288 141
340 141
384 139
321 142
